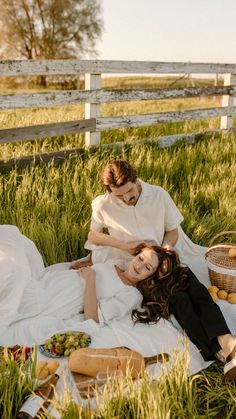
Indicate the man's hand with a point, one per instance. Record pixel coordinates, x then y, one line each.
168 247
134 247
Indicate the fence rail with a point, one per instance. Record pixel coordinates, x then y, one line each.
63 67
59 98
93 96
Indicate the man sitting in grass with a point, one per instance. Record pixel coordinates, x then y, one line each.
134 212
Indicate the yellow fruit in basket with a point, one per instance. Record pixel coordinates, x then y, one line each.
232 298
214 296
232 252
223 295
41 371
213 289
52 366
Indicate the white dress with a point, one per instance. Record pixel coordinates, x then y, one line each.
29 291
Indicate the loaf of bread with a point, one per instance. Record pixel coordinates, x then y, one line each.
91 361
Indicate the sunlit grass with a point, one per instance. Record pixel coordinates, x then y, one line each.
37 116
17 381
51 204
198 177
174 395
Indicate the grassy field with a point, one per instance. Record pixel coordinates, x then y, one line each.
199 178
51 204
37 116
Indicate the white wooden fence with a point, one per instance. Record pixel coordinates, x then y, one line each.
93 96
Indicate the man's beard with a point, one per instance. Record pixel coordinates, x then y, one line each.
132 201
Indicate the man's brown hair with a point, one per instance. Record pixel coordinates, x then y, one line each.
118 173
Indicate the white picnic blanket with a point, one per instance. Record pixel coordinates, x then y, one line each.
149 340
146 339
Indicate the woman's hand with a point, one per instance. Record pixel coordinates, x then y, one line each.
78 265
87 273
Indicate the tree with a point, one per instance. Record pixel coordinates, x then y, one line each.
49 29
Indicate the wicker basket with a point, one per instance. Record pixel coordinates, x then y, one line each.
221 267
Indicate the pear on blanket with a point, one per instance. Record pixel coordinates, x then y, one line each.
53 366
41 371
214 296
232 298
213 289
222 294
44 368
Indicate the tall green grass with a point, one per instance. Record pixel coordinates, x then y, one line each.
52 203
173 395
17 382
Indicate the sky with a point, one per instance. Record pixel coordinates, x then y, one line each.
169 30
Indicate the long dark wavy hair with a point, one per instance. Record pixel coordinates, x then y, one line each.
169 278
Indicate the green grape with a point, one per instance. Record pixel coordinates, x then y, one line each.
71 339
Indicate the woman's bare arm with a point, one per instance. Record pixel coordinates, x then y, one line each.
90 296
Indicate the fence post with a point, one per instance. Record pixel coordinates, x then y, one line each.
92 110
226 122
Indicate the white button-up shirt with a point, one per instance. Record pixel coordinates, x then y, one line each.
153 215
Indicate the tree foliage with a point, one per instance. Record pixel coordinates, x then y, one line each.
39 29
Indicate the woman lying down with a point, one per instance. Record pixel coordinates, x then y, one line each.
151 287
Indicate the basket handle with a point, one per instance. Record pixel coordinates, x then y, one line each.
223 233
216 246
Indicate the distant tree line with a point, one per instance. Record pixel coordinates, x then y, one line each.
49 29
